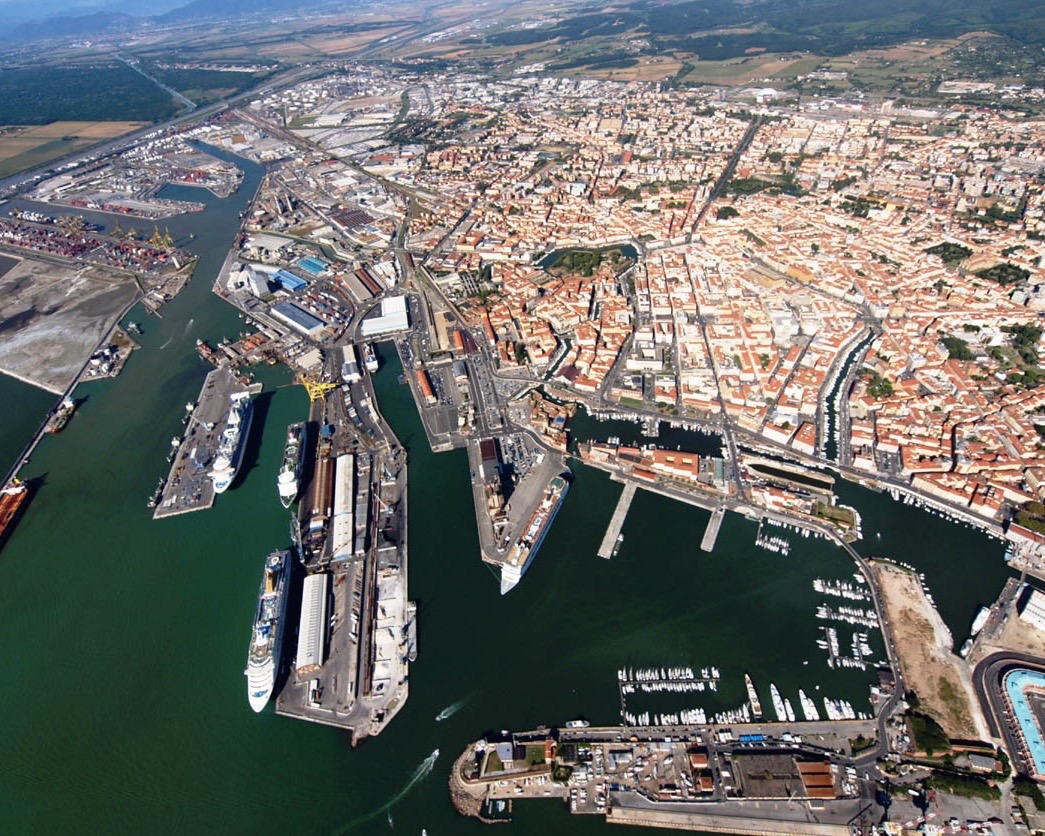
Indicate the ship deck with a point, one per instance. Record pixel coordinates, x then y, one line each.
189 486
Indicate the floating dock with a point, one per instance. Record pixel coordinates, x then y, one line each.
617 521
189 486
711 532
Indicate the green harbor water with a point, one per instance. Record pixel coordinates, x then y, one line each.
122 690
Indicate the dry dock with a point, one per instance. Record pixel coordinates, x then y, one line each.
617 521
711 532
189 486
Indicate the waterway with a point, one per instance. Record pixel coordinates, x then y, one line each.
124 638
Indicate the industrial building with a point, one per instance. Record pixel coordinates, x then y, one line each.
343 525
298 318
393 317
1031 607
312 628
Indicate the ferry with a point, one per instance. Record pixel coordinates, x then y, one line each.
289 480
981 619
265 642
369 358
577 724
522 553
752 696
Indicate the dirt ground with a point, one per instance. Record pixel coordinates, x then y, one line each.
21 140
52 318
939 678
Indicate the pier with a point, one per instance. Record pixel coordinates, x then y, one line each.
617 521
711 532
188 486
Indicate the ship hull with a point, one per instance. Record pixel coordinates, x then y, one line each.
224 477
263 655
511 575
288 483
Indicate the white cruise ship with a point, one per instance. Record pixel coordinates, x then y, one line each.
289 480
233 442
263 655
523 552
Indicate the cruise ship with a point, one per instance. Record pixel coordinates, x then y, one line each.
263 655
752 697
289 479
233 442
522 553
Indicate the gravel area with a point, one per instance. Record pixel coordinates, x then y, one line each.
52 319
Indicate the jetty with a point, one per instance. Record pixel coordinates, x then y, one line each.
711 532
188 486
617 520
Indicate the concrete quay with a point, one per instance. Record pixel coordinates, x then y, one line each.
711 532
188 486
733 817
620 514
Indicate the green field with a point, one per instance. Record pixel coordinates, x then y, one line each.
111 92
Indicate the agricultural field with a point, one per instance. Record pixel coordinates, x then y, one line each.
23 147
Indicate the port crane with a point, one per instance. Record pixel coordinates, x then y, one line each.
316 388
161 240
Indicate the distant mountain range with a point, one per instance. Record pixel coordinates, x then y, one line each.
28 20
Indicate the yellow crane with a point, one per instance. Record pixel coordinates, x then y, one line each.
316 388
161 240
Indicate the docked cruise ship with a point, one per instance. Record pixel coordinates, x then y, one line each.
289 479
263 655
522 553
233 442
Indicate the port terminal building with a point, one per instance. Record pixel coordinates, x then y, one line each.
393 317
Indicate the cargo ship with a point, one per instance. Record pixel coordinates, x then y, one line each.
752 697
522 553
62 415
289 480
11 499
233 441
263 655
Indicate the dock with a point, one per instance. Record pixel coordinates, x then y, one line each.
711 532
188 486
617 520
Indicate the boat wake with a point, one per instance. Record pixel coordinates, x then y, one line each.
189 324
166 344
450 710
424 769
391 821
